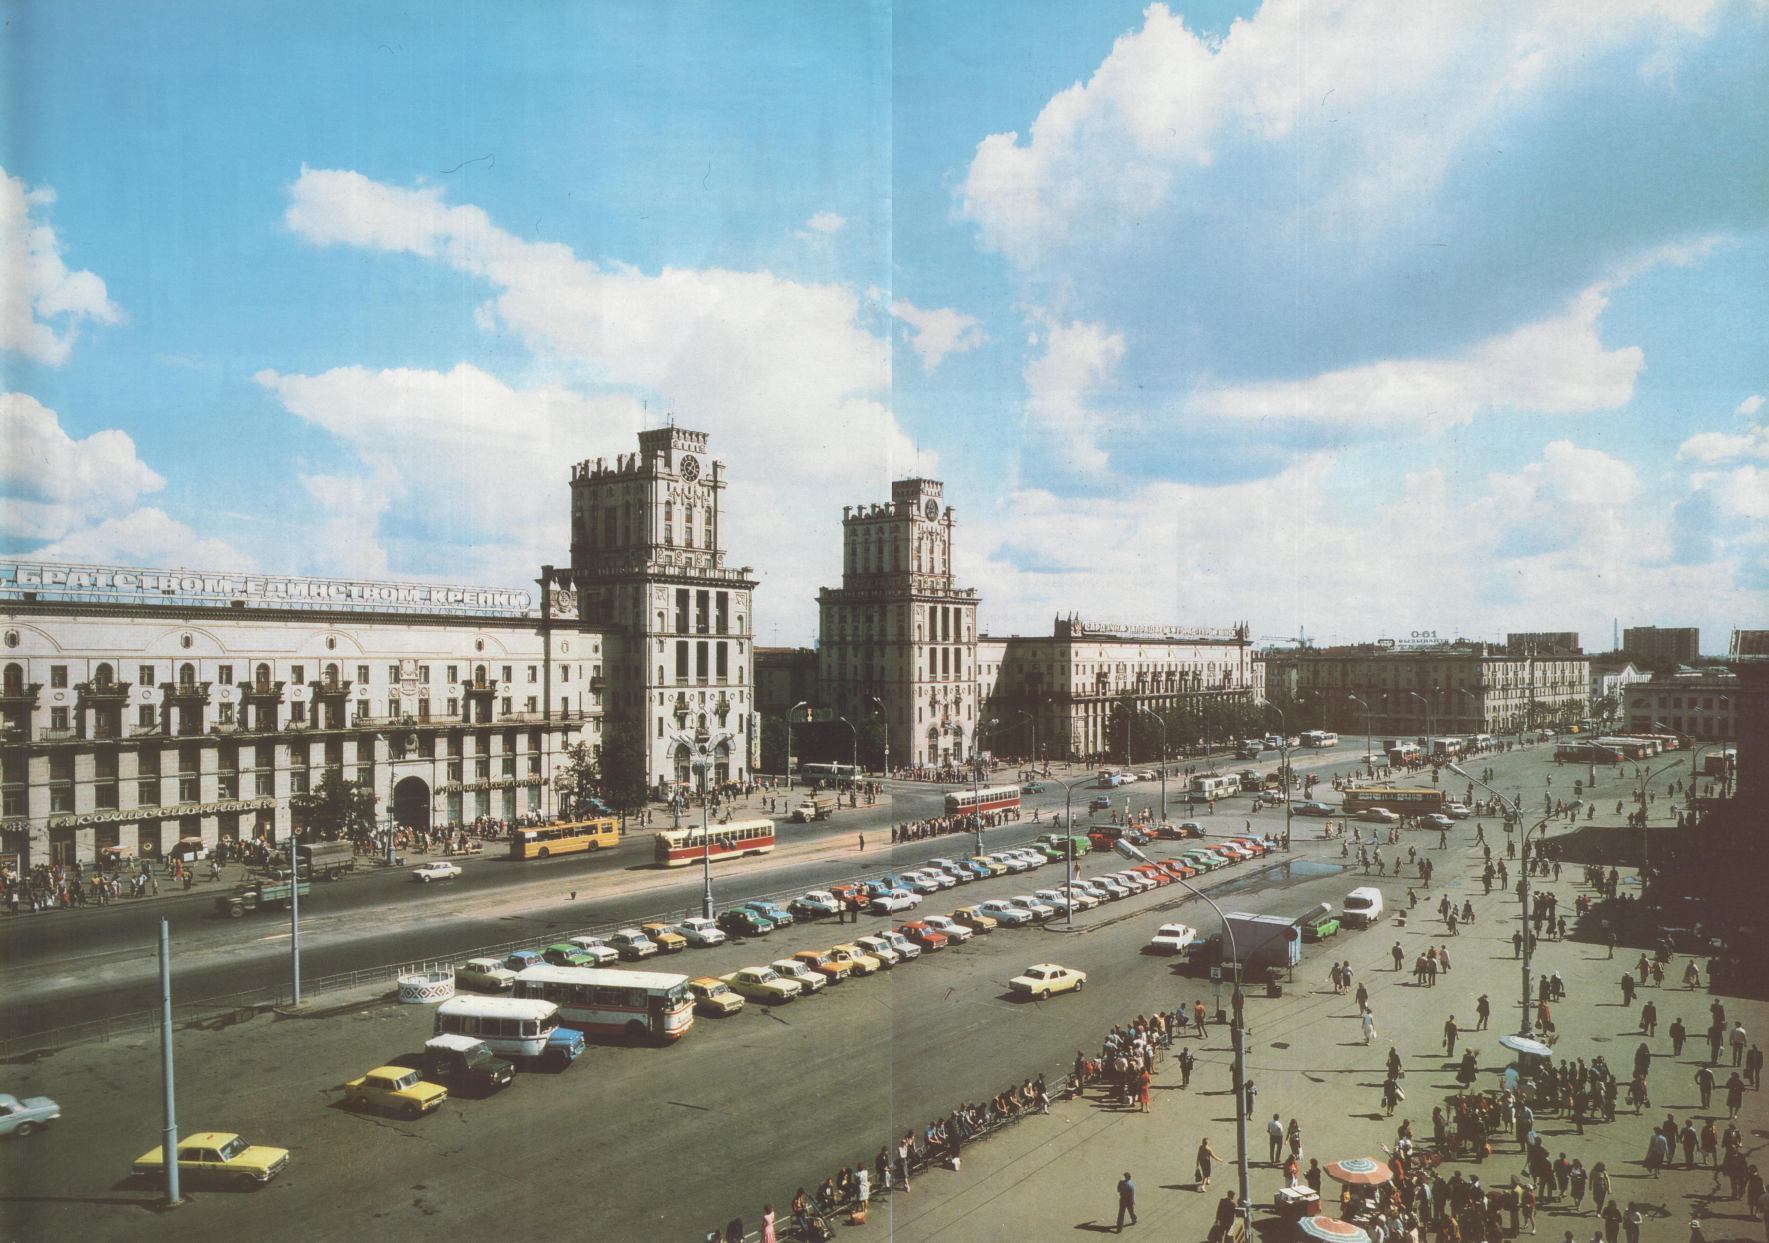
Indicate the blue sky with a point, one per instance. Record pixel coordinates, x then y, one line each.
1360 319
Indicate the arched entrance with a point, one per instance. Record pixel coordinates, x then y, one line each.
411 803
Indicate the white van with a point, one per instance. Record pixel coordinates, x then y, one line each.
1362 907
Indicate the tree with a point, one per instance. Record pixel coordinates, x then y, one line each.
773 745
621 779
335 808
575 778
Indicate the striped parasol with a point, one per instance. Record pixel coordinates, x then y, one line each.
1332 1230
1360 1172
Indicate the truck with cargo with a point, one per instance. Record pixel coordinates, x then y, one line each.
326 860
1262 941
813 807
259 895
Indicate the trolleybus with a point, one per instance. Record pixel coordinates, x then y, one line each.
736 840
564 838
987 798
1404 800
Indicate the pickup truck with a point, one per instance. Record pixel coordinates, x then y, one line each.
257 895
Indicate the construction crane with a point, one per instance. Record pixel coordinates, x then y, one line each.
1299 639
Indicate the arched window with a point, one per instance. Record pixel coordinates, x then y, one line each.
331 675
261 675
103 675
15 679
479 675
187 674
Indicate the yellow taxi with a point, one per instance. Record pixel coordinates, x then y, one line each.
218 1157
825 961
668 940
395 1090
995 866
714 997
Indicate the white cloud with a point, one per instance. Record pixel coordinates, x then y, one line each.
146 537
1557 366
1405 89
51 484
933 334
1740 494
826 223
42 303
1750 405
781 373
1079 364
1713 448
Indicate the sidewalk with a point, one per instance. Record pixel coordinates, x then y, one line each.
1044 1178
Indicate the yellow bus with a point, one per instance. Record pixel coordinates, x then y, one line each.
564 838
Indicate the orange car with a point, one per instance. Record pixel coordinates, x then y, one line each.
924 935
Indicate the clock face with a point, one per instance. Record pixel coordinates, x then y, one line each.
932 510
690 469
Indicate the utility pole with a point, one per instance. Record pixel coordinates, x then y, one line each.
294 920
169 1131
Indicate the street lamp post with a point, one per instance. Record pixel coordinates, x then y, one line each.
1240 1043
1069 846
1645 832
790 713
1430 722
1033 722
1283 764
1163 724
1369 737
976 773
701 745
885 716
1514 810
856 753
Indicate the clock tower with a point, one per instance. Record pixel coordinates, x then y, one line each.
648 567
899 631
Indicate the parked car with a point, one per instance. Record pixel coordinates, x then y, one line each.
395 1090
742 922
766 985
1111 885
954 932
1177 869
714 997
1172 939
828 963
976 919
1046 979
881 949
700 932
1005 913
809 979
595 947
814 905
217 1158
990 864
665 937
520 960
484 975
568 955
31 1114
436 869
773 912
462 1064
862 962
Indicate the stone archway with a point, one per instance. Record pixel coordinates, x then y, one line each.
411 803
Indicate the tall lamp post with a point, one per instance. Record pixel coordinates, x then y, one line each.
884 716
1068 845
701 745
856 752
1514 809
1245 1207
1430 722
1157 718
1283 764
790 713
1645 832
976 772
1369 737
1033 722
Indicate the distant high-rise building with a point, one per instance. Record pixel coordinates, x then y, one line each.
1748 644
1543 642
1680 643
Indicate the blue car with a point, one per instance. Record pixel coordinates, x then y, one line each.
773 912
523 958
564 1046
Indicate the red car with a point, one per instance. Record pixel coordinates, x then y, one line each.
1250 843
1176 869
1154 873
929 938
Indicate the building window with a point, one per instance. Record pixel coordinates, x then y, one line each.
58 718
681 610
534 674
700 670
144 716
362 674
453 674
505 706
424 674
58 676
145 675
681 661
722 659
261 675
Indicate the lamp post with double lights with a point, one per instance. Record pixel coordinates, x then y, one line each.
1159 720
1514 810
1369 737
790 713
701 745
1238 1029
1283 764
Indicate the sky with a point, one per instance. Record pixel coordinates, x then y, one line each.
1343 319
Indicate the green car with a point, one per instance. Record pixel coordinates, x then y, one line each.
741 922
1032 787
1204 860
567 955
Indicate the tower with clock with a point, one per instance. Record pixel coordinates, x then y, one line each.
648 570
899 636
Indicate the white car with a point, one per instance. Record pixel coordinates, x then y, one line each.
1456 811
1036 858
632 944
880 949
1044 978
1379 815
1134 881
1054 900
1438 820
891 901
439 869
1111 885
792 969
1005 913
1083 898
921 882
948 927
940 876
1041 910
700 932
596 948
1013 863
957 871
1172 939
1092 889
22 1117
906 949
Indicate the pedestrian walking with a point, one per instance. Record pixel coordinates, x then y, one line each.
1649 1018
1450 1032
1627 988
1186 1062
1753 1068
1369 1022
1274 1139
1734 1095
1704 1080
1398 955
1678 1034
1201 1172
1739 1040
1198 1016
1483 1010
1126 1201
